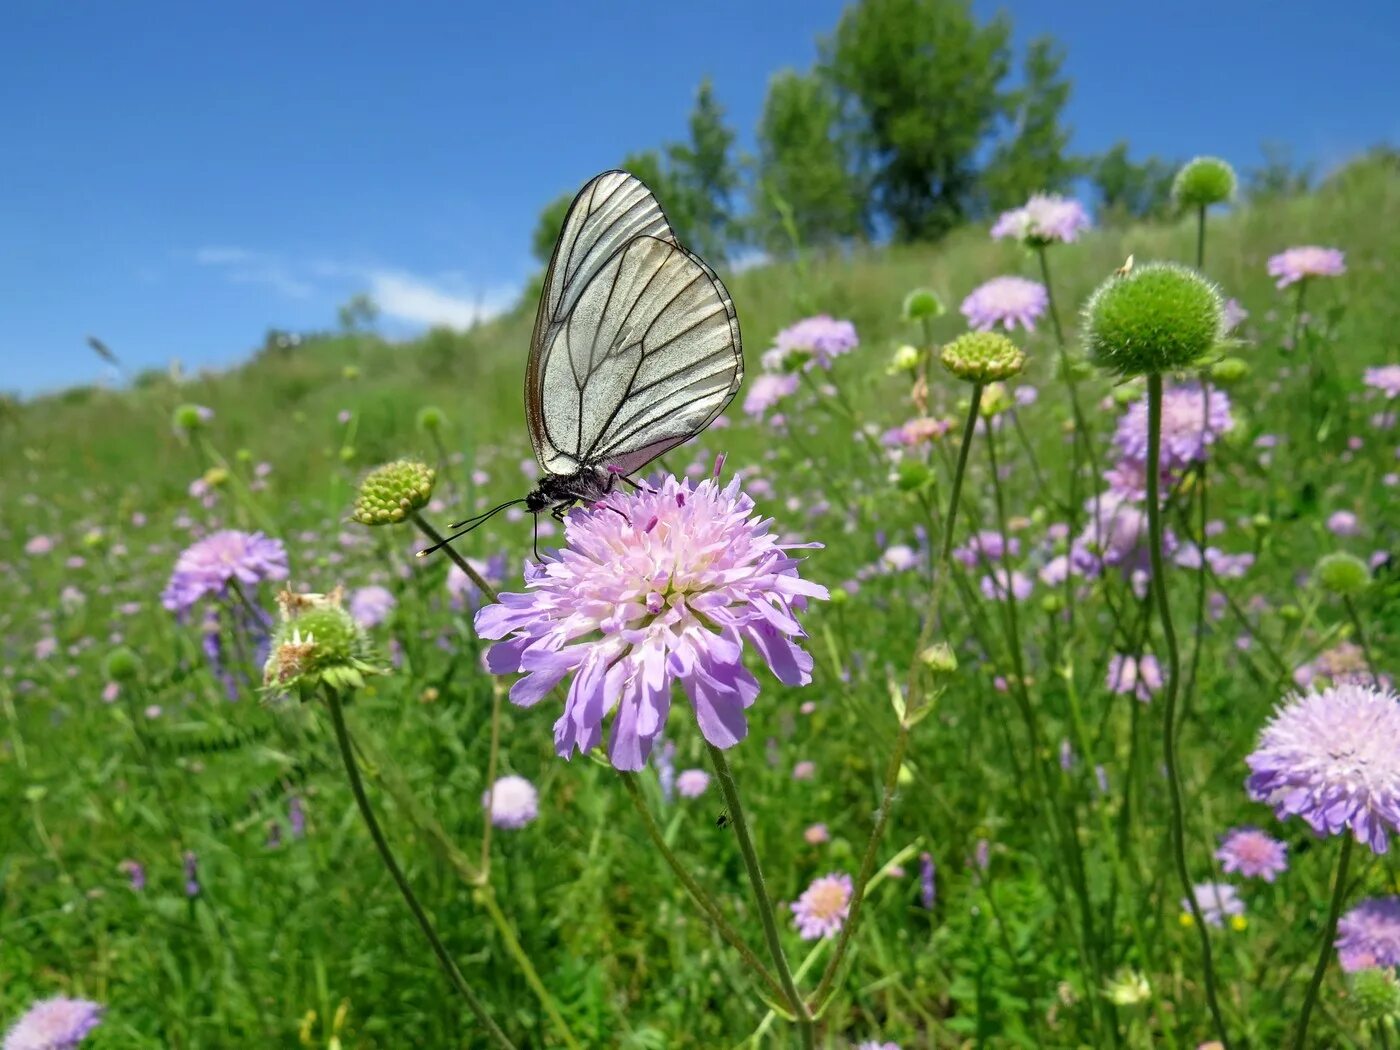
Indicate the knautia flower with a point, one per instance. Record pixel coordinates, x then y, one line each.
190 864
1385 378
1043 220
460 586
982 357
692 783
1218 901
1159 317
1298 264
813 342
822 909
1134 676
1185 407
1252 853
208 566
1203 181
390 493
654 587
1369 934
766 390
816 834
1333 758
371 606
1006 301
512 802
59 1023
1234 314
1344 662
134 871
317 642
928 881
1343 523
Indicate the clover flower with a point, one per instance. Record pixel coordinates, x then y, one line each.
1006 301
655 587
1298 264
208 566
1252 853
822 909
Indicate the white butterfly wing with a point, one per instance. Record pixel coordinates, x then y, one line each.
637 344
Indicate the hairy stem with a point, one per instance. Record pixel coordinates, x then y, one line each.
1324 954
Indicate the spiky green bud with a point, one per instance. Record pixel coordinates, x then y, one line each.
1229 370
923 304
391 492
1202 182
1343 574
982 357
1375 994
430 419
1161 317
122 665
317 642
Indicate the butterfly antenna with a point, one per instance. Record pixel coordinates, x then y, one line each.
535 540
470 524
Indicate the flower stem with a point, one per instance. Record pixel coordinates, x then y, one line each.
1362 641
703 899
1201 237
456 556
1324 955
914 701
730 790
1172 685
357 788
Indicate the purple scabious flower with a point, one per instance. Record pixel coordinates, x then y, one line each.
1217 901
1297 264
766 390
1252 853
1044 219
654 587
928 886
460 587
1115 536
1344 662
134 871
987 545
1005 301
512 802
692 783
993 586
1333 758
1140 677
1368 935
59 1023
1343 523
371 606
875 1044
822 909
1235 314
191 866
208 566
1385 378
1184 441
818 339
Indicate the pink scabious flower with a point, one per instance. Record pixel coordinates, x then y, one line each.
654 587
1344 662
816 834
208 566
822 909
875 1044
1368 935
59 1023
1252 853
1297 264
38 545
1006 301
817 340
1385 378
1235 314
1128 676
1343 523
915 432
1184 440
512 801
1333 758
692 783
766 390
1217 901
1044 219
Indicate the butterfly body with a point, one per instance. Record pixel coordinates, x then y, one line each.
558 492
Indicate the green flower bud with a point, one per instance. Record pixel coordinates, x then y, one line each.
391 492
996 399
1343 574
94 539
350 373
1157 318
1375 994
982 357
905 359
914 476
923 303
839 596
1202 182
316 642
187 418
430 418
1290 612
244 455
1229 370
940 658
347 453
1127 987
122 665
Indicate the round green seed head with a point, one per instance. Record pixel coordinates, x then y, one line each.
430 418
923 303
1375 994
1161 317
187 417
1229 370
122 665
982 357
391 492
1203 182
1343 574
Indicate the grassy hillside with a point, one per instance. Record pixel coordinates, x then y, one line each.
1017 951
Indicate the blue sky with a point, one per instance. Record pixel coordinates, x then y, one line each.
180 177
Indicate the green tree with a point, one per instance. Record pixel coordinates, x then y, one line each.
1131 190
1278 176
918 80
675 197
706 173
358 312
803 188
1035 157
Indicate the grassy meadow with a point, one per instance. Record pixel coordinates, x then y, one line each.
1058 916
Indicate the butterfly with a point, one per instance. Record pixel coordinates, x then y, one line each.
635 350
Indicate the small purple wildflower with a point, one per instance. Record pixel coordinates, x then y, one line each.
822 909
1140 677
59 1023
928 886
816 834
296 817
875 1044
134 871
191 863
208 566
820 339
463 591
1183 440
1044 219
1006 301
1385 378
993 586
512 801
1368 935
767 390
1297 264
38 545
1252 853
1217 901
655 587
804 770
1333 758
1343 523
1235 314
371 606
692 783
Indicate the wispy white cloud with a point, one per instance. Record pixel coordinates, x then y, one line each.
407 297
223 255
244 266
